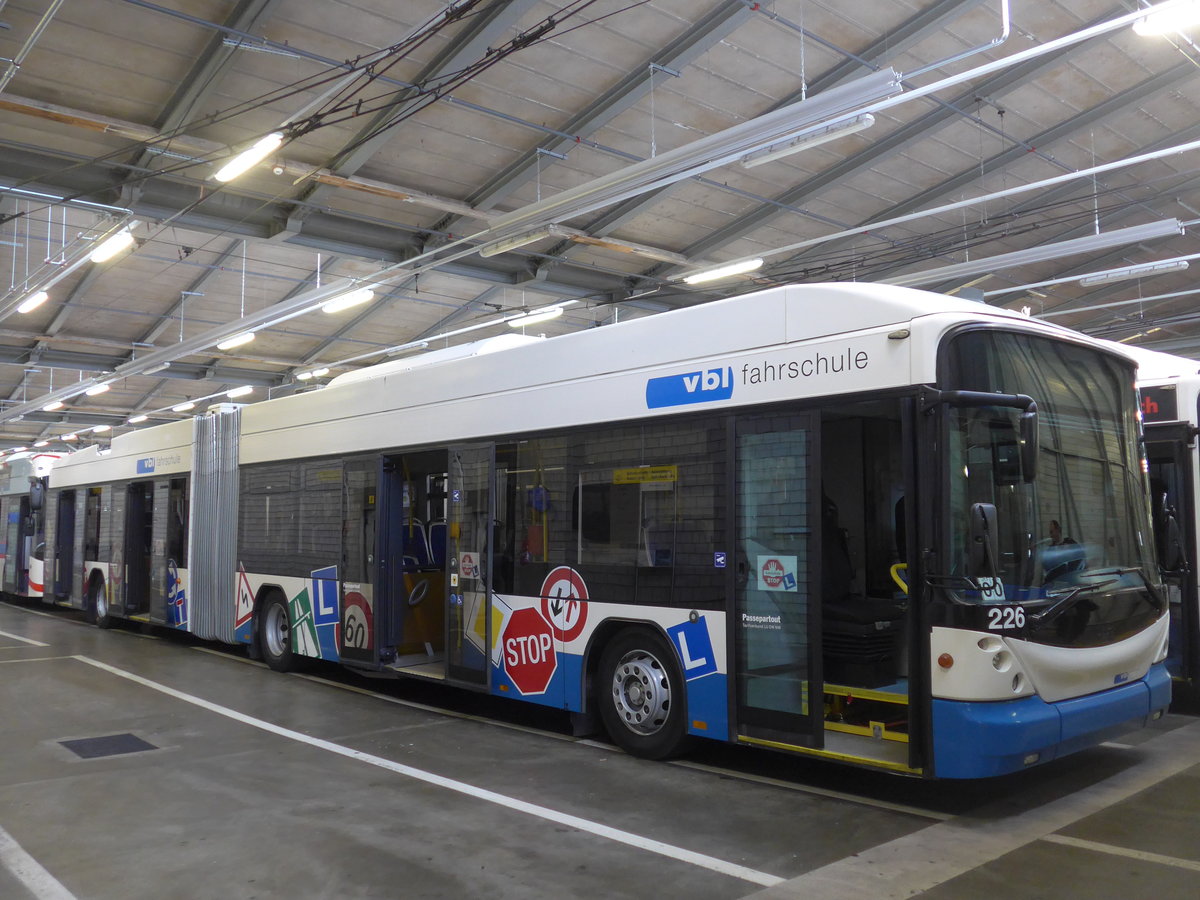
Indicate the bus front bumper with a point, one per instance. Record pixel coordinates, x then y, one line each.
977 739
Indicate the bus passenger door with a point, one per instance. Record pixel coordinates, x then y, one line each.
776 622
1170 451
470 534
64 546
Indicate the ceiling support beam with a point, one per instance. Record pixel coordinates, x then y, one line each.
720 21
484 30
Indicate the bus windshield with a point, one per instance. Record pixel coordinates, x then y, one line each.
1073 543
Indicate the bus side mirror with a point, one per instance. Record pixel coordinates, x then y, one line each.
1029 444
983 551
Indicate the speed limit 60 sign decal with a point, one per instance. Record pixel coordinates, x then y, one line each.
358 627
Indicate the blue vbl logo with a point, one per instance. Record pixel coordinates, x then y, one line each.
145 466
694 387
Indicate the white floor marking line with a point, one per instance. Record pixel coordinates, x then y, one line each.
8 662
931 856
23 640
1113 850
29 871
624 837
32 612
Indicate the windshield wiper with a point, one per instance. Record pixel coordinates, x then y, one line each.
1126 570
1067 599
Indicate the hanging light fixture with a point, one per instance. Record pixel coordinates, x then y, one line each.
100 429
53 405
183 407
250 157
536 316
113 245
97 389
348 299
33 301
1169 21
138 419
239 391
236 340
822 135
735 268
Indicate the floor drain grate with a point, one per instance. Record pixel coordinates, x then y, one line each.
109 745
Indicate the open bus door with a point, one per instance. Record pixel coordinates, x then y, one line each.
1170 452
470 533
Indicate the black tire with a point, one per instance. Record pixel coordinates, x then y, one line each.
641 694
97 604
275 633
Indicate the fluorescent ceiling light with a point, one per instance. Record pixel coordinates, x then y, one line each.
236 341
100 429
538 315
97 389
138 419
815 138
113 245
513 243
706 153
40 443
348 299
1142 271
304 376
239 392
1042 252
736 268
70 437
1168 21
250 157
53 405
33 301
184 406
17 449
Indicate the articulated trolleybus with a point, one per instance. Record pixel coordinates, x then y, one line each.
816 519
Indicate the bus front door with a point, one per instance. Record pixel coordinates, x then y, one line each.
470 533
777 632
1170 452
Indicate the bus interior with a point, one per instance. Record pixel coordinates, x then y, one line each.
865 632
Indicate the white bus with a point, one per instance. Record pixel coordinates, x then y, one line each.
1170 390
810 519
22 547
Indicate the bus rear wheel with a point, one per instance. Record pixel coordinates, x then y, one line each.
98 604
641 695
275 633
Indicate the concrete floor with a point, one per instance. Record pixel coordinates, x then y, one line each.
324 785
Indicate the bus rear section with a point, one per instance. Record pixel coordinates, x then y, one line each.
22 513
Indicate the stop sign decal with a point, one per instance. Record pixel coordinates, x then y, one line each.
529 655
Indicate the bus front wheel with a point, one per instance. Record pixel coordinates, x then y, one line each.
641 695
275 633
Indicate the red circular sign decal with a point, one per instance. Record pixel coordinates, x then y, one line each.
772 573
564 602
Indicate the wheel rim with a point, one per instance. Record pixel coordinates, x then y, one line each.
641 692
276 630
101 603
